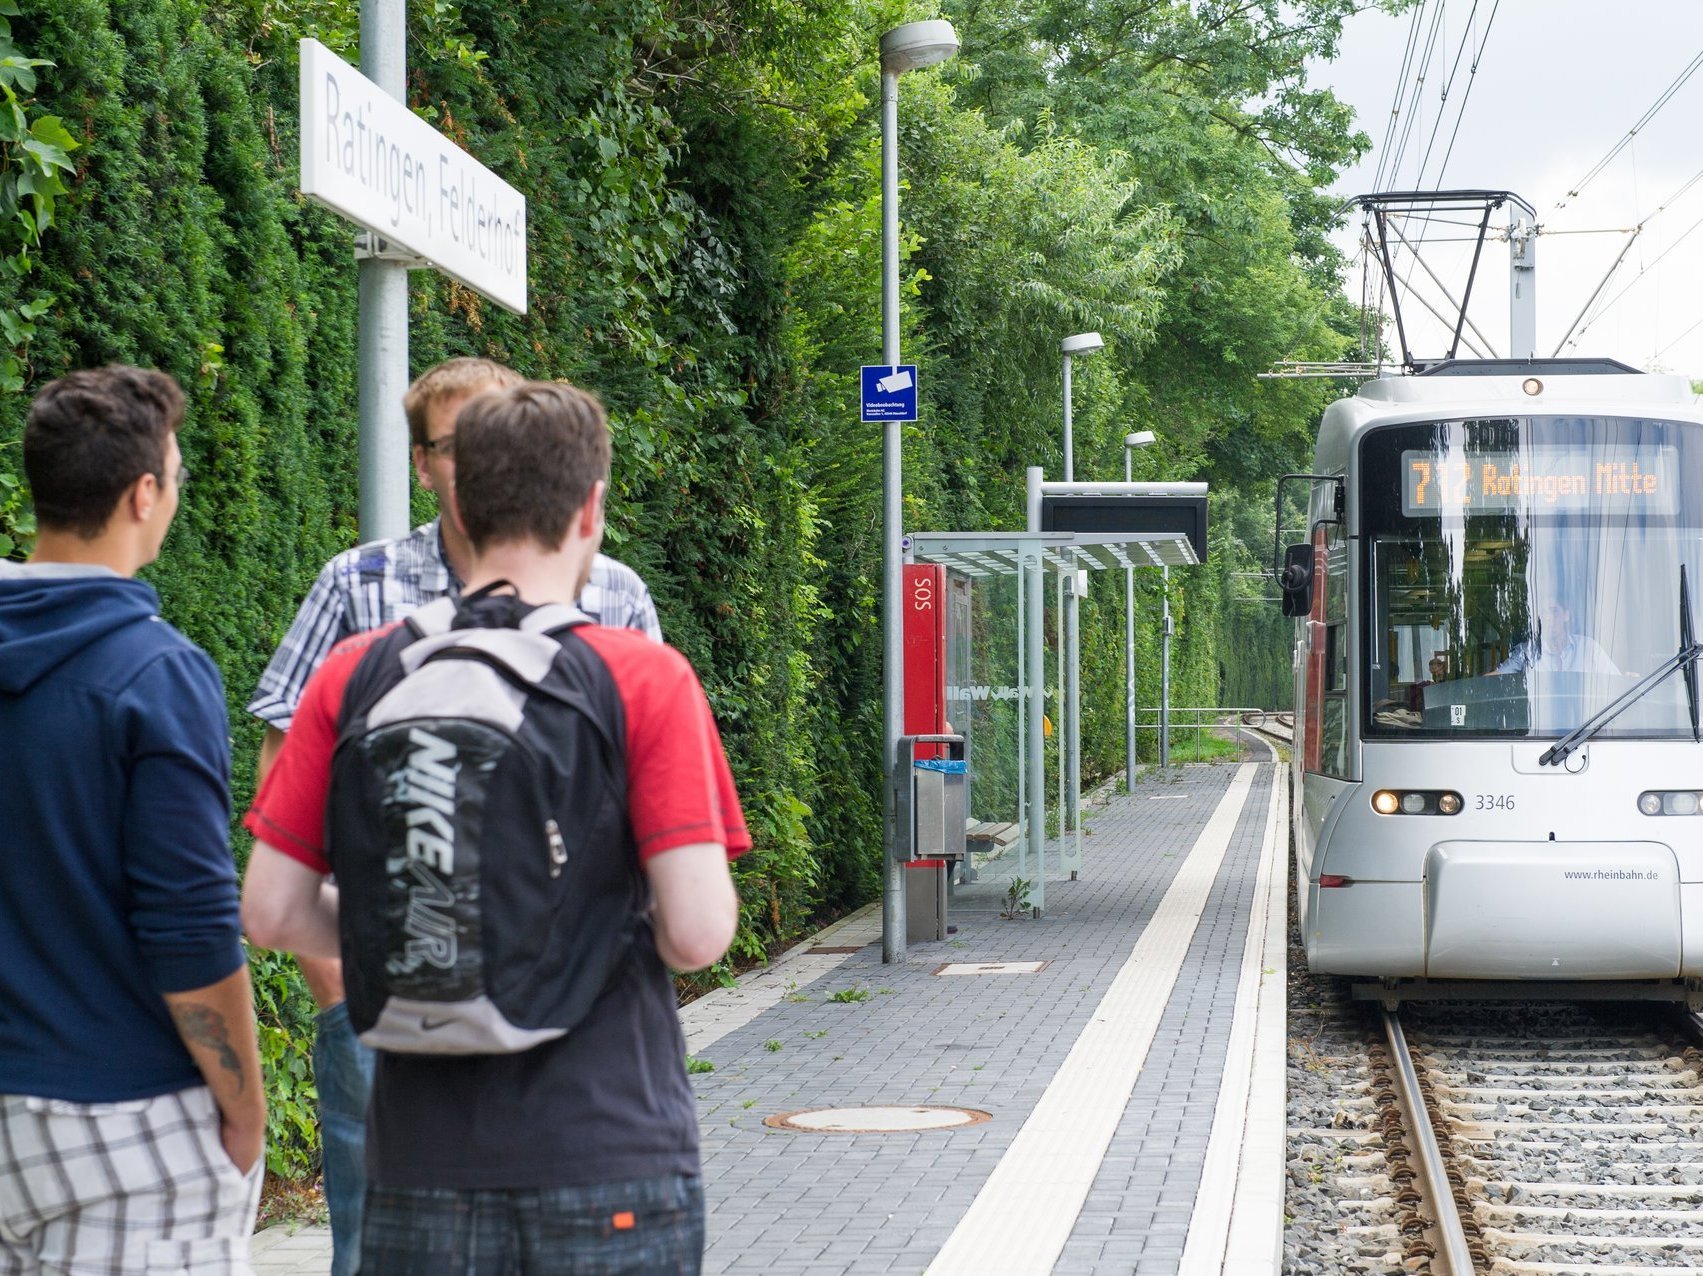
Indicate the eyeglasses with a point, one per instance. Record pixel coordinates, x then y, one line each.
444 446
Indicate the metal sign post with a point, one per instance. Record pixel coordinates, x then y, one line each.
423 201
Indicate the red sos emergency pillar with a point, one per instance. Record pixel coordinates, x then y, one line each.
925 655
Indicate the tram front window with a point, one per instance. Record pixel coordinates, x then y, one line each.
1522 573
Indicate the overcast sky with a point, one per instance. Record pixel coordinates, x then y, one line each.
1559 84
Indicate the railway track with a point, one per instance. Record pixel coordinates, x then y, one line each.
1277 726
1568 1139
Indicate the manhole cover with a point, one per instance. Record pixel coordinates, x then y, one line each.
991 968
894 1120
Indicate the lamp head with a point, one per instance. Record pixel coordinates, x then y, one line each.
1082 343
916 45
1141 438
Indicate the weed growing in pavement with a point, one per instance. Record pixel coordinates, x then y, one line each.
857 992
817 1035
695 1064
1016 899
771 1045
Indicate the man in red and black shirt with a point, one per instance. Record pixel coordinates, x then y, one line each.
582 1150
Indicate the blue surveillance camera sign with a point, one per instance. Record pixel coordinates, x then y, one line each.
890 392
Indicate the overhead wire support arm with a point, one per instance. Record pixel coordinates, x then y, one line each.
1489 351
1381 205
1471 274
1598 290
1378 216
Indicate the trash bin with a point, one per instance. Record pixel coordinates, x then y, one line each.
925 900
940 798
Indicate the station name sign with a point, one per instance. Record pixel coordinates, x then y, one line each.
367 156
1540 480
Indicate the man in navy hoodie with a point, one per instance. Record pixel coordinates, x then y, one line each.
131 1106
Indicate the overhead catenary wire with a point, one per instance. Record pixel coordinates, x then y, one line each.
1624 142
1443 95
1472 79
1635 232
1633 282
1681 337
1387 149
1416 99
1596 292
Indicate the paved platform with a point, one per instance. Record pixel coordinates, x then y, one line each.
1133 1084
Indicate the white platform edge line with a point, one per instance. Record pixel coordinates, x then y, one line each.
1255 1245
1234 1191
1025 1212
1215 1196
711 1017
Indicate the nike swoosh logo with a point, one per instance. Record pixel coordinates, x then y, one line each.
432 1025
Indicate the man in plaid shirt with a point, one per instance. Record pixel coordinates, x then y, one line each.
361 589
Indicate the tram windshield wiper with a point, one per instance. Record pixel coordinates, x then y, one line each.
1690 650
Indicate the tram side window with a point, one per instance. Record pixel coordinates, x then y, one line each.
1333 718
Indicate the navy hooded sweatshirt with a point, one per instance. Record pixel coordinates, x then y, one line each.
116 878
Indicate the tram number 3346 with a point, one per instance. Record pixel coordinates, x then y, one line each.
1493 802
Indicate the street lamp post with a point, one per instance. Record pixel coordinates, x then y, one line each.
906 48
1081 343
1140 438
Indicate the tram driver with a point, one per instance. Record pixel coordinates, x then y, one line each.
1557 646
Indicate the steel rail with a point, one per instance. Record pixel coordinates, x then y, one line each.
1442 1197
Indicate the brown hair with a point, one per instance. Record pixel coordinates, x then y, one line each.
526 458
90 435
447 379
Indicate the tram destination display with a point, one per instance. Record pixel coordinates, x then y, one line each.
1540 479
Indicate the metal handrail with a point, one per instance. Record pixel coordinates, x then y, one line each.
1243 716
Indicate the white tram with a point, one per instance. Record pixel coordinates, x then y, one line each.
1495 779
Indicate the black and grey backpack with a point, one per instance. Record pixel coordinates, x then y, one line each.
477 826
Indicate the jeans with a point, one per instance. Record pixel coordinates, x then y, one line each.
343 1073
645 1227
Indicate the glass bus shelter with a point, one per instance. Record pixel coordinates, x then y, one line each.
997 670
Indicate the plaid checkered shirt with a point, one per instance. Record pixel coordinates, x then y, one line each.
382 581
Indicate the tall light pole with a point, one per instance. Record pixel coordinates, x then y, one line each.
906 48
1140 438
1080 344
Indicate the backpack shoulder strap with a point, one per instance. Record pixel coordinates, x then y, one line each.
434 618
554 619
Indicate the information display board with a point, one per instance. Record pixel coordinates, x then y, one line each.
1541 478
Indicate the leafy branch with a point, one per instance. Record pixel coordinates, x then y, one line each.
35 160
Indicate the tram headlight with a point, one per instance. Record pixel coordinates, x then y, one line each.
1416 802
1670 802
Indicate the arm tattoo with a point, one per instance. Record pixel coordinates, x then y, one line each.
205 1027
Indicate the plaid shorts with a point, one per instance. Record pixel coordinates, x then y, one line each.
137 1188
